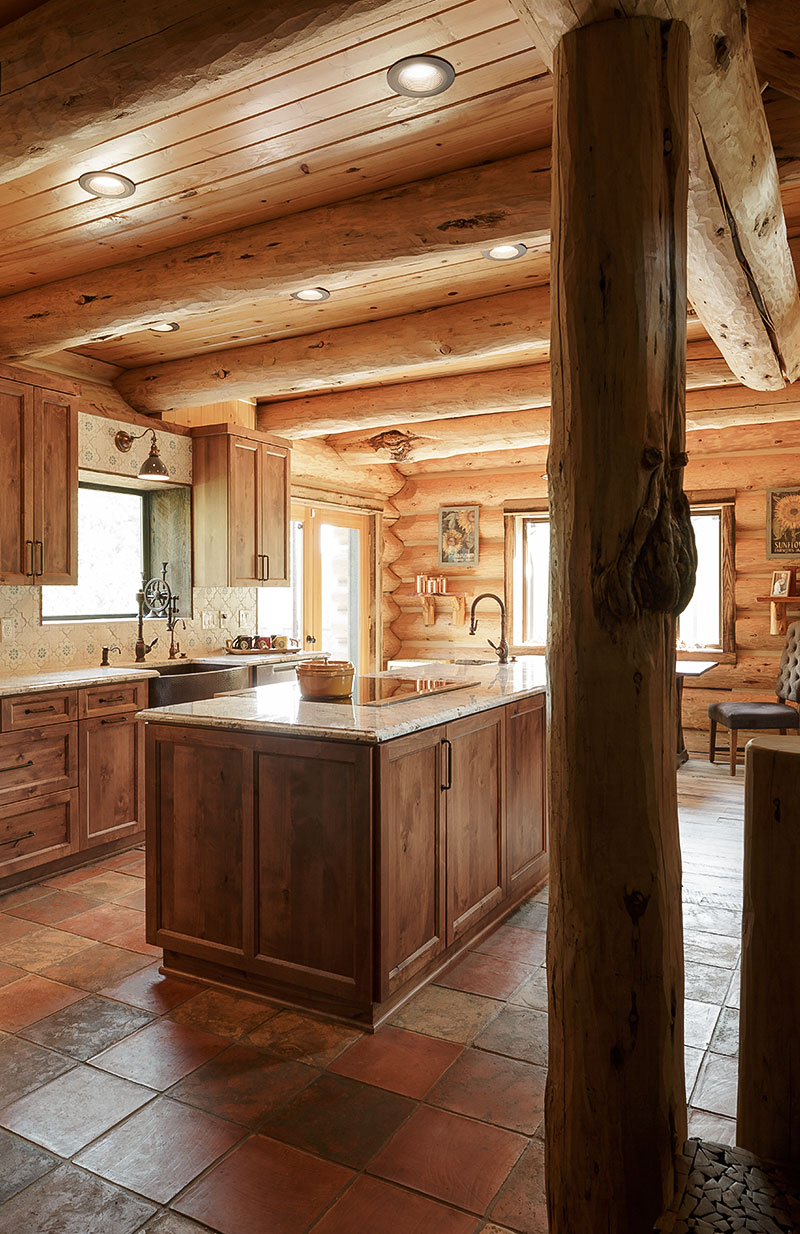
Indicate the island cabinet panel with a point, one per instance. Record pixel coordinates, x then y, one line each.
111 779
199 798
525 807
474 808
313 865
411 856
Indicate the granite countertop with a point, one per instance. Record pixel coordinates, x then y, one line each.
280 710
66 678
226 660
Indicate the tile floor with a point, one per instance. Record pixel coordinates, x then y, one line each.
130 1101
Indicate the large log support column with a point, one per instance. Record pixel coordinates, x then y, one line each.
623 563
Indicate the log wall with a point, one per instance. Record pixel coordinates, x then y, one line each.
742 461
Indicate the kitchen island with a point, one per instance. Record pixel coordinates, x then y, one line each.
336 855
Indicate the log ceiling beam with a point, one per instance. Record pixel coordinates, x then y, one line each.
335 246
77 74
775 39
742 281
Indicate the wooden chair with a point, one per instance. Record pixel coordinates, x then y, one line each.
755 715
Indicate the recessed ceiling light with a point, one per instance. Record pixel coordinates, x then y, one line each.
164 327
106 184
505 252
309 294
419 77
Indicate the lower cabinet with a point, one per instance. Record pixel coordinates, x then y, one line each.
38 831
333 874
111 778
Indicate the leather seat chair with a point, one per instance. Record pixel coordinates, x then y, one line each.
780 715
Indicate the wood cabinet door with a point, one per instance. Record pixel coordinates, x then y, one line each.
55 488
244 512
525 814
313 863
16 483
37 831
274 489
410 857
111 779
473 774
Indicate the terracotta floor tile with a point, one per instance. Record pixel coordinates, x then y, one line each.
485 974
71 1201
734 996
370 1206
494 1089
700 947
97 966
407 1063
73 1109
450 1158
101 922
12 928
530 916
517 1032
706 983
227 1015
134 940
691 1066
50 909
522 1203
71 877
135 868
533 992
699 1020
264 1186
120 861
173 1223
712 1127
9 974
340 1119
21 1164
510 942
290 1034
108 886
492 1228
32 998
160 1150
160 1054
41 949
152 991
243 1084
87 1027
451 1014
726 1034
22 895
716 1087
137 899
24 1067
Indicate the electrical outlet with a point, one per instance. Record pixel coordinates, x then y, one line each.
8 631
242 617
208 620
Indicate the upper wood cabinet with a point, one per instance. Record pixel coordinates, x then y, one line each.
38 485
241 491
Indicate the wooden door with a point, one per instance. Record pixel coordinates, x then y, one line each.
525 815
16 483
55 488
410 857
473 774
313 859
111 779
244 512
274 494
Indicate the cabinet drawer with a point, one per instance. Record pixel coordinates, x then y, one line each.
38 761
34 710
36 831
99 700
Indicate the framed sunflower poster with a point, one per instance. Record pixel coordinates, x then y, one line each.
458 535
783 522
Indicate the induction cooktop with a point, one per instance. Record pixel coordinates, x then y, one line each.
378 691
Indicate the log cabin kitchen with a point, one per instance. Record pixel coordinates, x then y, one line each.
399 549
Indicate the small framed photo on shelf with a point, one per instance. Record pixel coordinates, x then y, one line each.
458 535
781 583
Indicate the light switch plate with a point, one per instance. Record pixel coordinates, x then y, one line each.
242 617
208 619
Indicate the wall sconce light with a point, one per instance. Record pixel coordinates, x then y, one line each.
153 467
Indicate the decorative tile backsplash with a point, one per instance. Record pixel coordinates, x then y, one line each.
97 452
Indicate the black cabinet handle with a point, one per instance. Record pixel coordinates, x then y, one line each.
114 720
115 698
40 546
17 767
15 840
448 764
36 711
263 575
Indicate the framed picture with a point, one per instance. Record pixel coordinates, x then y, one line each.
781 582
783 522
458 535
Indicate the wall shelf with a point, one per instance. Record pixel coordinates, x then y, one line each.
779 611
456 599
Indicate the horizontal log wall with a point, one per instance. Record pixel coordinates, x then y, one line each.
743 461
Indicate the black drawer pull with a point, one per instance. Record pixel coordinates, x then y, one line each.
35 711
115 720
115 698
449 746
18 766
18 839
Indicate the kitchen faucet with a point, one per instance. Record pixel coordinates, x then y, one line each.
502 647
141 647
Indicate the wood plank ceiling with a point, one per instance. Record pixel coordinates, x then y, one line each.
280 141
